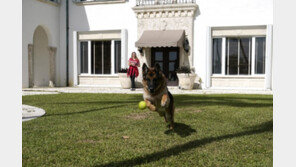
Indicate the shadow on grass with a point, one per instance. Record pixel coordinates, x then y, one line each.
232 100
181 129
83 112
189 100
264 127
96 102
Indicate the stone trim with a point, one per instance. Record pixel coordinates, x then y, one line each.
52 71
239 31
163 11
52 65
268 60
167 17
239 82
238 77
30 65
105 34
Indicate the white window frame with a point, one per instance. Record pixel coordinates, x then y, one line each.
254 54
222 56
89 58
252 57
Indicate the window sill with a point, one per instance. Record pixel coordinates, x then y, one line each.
50 2
238 76
99 75
99 2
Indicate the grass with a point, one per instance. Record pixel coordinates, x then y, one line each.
88 130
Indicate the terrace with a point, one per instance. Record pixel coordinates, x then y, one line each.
162 2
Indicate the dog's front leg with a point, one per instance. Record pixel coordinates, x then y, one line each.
165 100
150 105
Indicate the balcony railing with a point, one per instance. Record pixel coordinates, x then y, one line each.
162 2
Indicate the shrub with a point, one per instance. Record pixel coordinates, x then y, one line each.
184 69
123 70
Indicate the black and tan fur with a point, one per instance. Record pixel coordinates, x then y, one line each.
156 94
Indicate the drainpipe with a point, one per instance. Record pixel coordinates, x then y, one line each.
67 42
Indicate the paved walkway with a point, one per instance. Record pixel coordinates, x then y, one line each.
173 90
31 112
34 92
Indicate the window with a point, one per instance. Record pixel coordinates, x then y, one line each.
117 52
217 54
260 55
96 57
101 57
238 54
84 57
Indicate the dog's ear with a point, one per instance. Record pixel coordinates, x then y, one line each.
157 67
144 69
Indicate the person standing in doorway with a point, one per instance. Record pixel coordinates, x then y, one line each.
133 72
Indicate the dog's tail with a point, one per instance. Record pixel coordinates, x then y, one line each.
172 105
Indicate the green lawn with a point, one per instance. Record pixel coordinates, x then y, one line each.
88 130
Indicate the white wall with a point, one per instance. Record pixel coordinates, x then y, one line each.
121 16
226 13
102 17
38 13
211 13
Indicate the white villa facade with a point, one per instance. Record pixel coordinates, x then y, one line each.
228 43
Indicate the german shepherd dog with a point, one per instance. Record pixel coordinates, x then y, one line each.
156 94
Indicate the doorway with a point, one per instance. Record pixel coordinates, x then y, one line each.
41 58
168 59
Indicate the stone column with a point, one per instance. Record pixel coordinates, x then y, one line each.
75 60
31 65
124 48
268 65
52 57
209 57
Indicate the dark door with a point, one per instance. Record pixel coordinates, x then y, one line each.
168 59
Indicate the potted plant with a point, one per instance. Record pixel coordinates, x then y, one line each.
125 81
186 77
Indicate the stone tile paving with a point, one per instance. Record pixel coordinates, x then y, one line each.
26 93
173 90
31 112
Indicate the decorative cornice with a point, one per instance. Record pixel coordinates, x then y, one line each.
163 11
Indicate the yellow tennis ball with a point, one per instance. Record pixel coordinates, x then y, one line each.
142 105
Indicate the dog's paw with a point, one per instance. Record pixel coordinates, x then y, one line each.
152 108
165 101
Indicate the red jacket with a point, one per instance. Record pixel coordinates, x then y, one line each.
133 70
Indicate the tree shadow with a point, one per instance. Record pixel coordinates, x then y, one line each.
214 100
233 100
83 112
176 150
181 129
95 102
